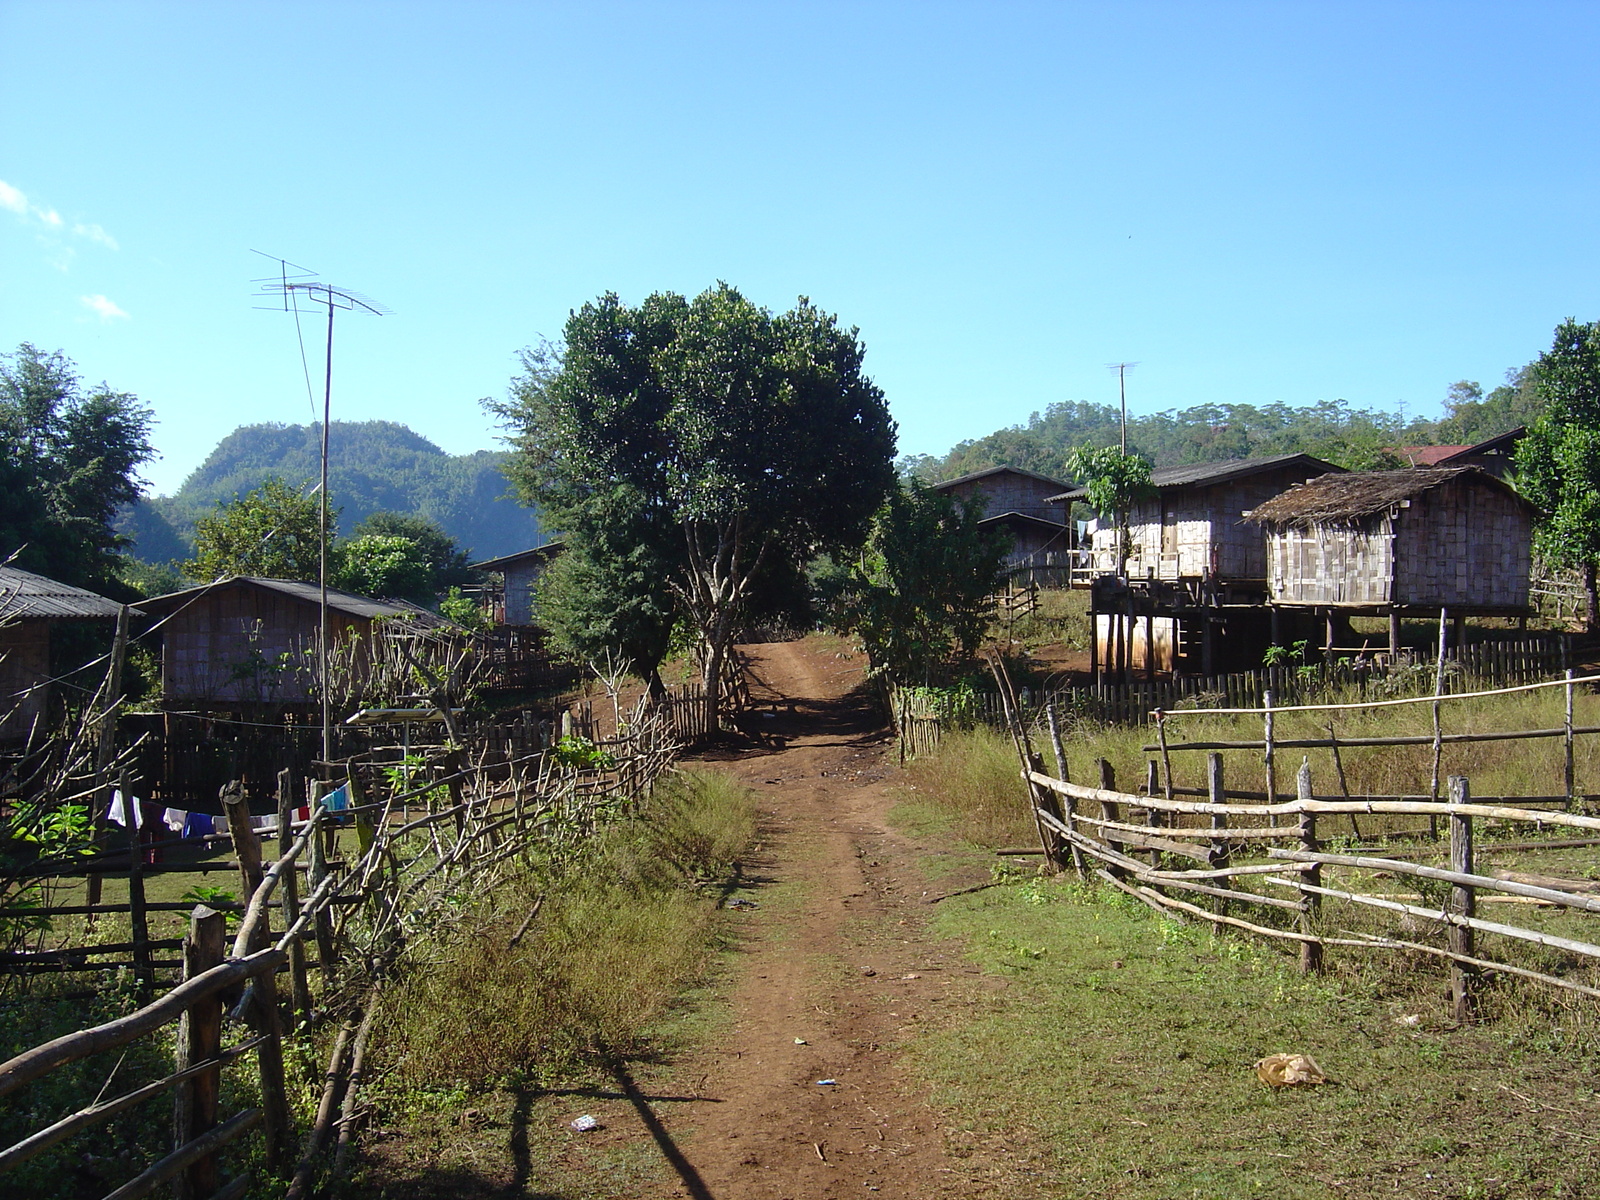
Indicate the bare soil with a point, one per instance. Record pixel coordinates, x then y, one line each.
798 1091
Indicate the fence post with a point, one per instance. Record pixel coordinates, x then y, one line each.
1310 952
321 923
1069 805
1570 778
263 1008
138 919
1217 853
1462 903
1110 810
1268 758
299 989
194 1104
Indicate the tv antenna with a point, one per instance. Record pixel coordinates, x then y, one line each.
303 287
1122 369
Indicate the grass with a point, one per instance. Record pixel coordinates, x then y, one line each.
616 941
1117 1058
1110 1049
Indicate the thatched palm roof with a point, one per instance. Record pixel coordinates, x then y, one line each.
1350 498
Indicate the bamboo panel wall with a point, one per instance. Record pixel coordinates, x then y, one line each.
1465 543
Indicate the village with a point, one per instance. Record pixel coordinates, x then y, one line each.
621 601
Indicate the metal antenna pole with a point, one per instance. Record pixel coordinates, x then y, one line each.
1121 368
335 298
322 554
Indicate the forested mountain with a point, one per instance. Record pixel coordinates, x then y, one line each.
373 466
1357 438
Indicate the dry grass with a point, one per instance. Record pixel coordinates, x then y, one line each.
616 941
972 782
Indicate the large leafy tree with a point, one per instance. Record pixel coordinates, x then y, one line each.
922 588
448 564
270 531
69 462
1558 462
727 433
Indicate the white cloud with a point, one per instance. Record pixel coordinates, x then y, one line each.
14 200
95 234
106 308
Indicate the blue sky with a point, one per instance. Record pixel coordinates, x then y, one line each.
1255 202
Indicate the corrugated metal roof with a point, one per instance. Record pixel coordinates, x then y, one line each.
984 474
340 601
1207 474
546 551
35 597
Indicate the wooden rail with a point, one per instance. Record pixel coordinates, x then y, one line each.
361 914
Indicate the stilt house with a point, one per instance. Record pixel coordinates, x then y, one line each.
1390 542
1019 502
520 572
1194 527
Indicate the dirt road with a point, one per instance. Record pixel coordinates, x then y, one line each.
836 969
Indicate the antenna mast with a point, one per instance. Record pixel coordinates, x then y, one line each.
1122 369
334 299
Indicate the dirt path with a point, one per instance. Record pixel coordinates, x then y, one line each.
837 968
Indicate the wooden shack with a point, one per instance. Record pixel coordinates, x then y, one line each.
520 573
1193 529
1020 503
30 607
1417 540
247 640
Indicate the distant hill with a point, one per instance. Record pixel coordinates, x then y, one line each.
372 466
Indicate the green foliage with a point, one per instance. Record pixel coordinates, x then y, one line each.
579 753
921 590
374 467
271 531
377 564
1558 462
1471 417
464 611
1115 482
679 444
447 562
620 933
68 464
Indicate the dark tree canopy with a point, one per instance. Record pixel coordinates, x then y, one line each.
271 531
69 462
1558 462
725 433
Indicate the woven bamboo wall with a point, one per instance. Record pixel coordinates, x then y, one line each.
227 644
1005 492
24 665
1463 544
1192 531
1331 564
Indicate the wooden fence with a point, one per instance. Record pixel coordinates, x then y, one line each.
1216 851
1501 661
379 874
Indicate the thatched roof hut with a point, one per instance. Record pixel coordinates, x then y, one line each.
1421 538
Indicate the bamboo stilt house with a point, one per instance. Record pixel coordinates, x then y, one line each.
1019 502
1420 539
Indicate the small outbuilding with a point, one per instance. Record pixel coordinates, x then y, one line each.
1417 540
251 640
30 607
1019 502
520 572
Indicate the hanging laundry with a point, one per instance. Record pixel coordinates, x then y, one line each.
199 825
264 825
117 810
175 819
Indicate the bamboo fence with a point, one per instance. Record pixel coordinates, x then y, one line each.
1206 858
361 906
